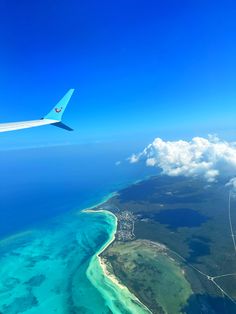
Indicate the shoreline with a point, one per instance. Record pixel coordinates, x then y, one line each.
104 267
103 200
105 246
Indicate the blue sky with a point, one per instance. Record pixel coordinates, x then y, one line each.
141 69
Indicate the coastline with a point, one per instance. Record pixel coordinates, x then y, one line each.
103 200
118 291
106 245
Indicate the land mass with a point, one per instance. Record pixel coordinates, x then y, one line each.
173 248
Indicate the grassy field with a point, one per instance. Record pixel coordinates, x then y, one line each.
148 271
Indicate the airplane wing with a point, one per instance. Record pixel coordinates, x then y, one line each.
54 117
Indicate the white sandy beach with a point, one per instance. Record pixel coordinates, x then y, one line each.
128 299
101 260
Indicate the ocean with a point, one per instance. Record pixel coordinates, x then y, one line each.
48 247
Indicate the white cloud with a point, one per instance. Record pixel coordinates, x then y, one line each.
207 157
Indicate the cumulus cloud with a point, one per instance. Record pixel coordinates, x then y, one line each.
206 157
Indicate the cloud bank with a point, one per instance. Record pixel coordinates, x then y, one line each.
207 157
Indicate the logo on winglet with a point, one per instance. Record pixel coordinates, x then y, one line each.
58 110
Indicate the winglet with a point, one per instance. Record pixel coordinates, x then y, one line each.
62 126
57 112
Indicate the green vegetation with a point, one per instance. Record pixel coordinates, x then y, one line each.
148 271
191 218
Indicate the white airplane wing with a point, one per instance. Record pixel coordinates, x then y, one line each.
53 117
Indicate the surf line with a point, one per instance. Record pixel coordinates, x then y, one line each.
135 304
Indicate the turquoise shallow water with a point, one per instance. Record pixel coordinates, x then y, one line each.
44 270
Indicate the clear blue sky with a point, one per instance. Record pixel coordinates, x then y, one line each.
140 68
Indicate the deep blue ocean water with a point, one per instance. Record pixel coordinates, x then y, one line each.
40 183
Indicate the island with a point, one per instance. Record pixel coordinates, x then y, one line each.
173 248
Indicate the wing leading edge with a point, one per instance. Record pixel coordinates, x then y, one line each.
54 117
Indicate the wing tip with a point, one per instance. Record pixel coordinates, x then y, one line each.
57 112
